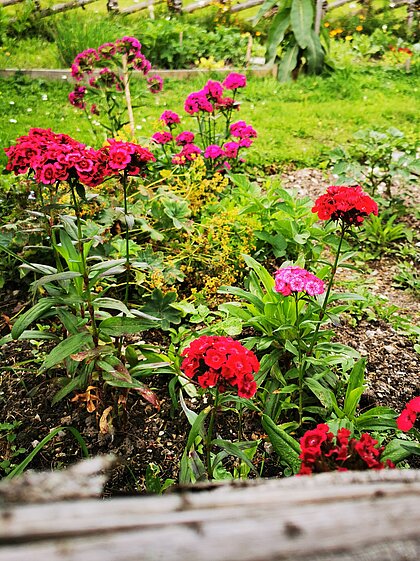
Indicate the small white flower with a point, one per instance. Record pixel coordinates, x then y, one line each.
12 121
384 27
29 110
44 97
11 102
64 77
139 127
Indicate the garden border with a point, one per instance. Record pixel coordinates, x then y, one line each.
65 74
337 516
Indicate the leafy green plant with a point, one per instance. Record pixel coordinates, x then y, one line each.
9 448
381 235
19 469
293 23
376 160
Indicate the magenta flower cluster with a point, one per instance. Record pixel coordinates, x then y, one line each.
208 103
106 55
55 157
289 280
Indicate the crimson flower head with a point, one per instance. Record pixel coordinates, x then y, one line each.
162 137
155 84
170 118
127 156
348 204
233 81
295 279
408 416
221 362
323 451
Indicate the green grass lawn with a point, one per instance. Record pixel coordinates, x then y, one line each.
297 122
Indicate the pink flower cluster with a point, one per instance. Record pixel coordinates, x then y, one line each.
408 415
211 97
109 53
155 83
290 280
348 204
321 451
221 362
58 157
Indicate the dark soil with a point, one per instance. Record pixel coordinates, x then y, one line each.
142 434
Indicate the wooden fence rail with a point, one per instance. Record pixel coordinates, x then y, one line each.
351 516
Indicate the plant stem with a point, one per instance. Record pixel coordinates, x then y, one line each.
127 239
301 361
327 293
210 434
84 270
127 93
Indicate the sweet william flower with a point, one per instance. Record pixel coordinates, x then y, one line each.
290 280
233 81
213 151
348 204
408 416
170 118
223 363
155 84
162 137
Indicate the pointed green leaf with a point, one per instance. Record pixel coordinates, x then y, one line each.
276 33
119 326
266 7
314 54
32 315
63 350
285 445
66 275
301 18
234 450
288 64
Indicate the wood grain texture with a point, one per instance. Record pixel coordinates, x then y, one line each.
365 516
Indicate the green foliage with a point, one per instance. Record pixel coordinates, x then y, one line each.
376 160
293 24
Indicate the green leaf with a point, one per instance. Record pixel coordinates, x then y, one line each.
29 334
288 64
32 315
301 18
314 53
266 7
262 273
21 467
119 326
285 445
66 275
398 450
276 33
234 450
355 388
325 395
63 350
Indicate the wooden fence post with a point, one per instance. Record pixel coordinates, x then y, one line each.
112 6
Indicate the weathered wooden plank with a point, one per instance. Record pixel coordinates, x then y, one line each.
139 7
10 2
369 516
245 5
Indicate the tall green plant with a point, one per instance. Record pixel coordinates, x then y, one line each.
293 26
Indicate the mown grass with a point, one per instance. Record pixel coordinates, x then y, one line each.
297 122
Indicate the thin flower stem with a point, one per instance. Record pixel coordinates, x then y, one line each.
128 94
327 293
127 239
85 274
301 360
210 434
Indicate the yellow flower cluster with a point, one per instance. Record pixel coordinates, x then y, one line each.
196 188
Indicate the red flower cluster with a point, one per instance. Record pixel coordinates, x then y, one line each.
126 156
349 204
321 452
408 416
221 362
58 157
